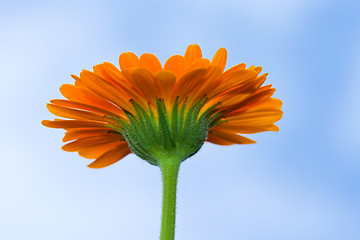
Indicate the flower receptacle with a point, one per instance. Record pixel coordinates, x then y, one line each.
157 134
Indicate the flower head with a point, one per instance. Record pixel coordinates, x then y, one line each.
160 111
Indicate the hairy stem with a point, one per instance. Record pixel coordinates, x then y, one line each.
169 171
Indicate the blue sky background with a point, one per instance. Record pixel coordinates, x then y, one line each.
300 183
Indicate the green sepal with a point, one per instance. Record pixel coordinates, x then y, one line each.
175 119
168 141
177 134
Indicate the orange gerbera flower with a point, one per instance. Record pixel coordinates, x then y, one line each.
160 111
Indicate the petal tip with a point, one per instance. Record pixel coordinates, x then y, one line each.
45 123
93 166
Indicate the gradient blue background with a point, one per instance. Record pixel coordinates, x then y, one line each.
300 183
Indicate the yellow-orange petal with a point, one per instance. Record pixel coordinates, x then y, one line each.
220 58
151 62
192 53
110 157
128 60
231 137
175 64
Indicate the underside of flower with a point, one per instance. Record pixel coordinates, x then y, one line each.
159 112
155 134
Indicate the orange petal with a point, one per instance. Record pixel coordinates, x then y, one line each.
78 82
252 118
110 157
90 142
234 79
253 101
71 104
122 82
236 97
167 81
145 81
231 137
96 151
175 64
217 140
199 63
233 69
252 114
263 88
266 107
83 133
271 103
71 124
74 113
257 121
108 72
209 82
231 98
240 128
256 69
98 70
78 94
192 53
76 78
128 60
220 58
187 82
105 89
151 62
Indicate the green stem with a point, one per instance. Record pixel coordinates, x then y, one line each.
169 171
